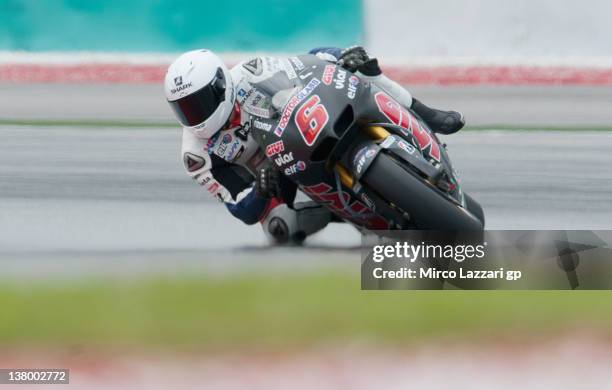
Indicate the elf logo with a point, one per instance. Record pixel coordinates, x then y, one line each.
295 168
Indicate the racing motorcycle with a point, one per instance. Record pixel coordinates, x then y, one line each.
351 147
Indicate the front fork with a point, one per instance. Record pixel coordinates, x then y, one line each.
376 134
361 156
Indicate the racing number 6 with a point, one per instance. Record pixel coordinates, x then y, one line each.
311 118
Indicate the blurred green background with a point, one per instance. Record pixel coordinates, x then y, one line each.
279 310
177 25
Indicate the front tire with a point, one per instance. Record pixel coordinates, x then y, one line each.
475 208
428 208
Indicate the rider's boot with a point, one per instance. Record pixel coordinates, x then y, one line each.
443 122
356 59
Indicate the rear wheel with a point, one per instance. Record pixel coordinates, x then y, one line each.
427 208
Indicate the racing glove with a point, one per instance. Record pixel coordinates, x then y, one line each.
356 58
267 183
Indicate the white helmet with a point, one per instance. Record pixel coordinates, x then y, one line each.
200 90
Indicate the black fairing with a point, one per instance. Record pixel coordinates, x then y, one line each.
349 102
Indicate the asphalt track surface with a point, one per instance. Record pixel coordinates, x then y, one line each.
578 106
121 191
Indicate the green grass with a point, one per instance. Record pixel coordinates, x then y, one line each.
273 311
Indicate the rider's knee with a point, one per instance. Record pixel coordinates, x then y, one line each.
284 225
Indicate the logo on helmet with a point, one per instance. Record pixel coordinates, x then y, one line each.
178 81
181 87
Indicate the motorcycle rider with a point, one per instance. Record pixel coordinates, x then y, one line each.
216 107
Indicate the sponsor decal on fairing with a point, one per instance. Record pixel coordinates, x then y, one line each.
305 75
398 115
406 146
275 148
292 104
311 118
328 74
295 168
283 159
258 111
352 87
262 125
390 140
358 214
340 79
288 68
362 156
299 65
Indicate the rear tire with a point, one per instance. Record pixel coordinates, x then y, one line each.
428 209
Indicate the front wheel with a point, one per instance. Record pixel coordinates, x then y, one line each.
475 208
428 209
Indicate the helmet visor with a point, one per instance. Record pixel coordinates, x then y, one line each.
199 106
